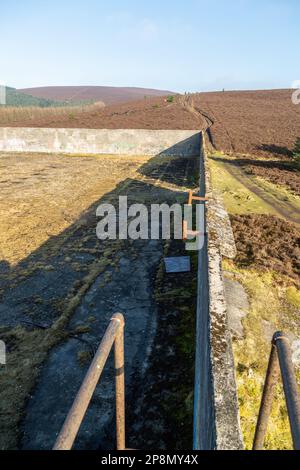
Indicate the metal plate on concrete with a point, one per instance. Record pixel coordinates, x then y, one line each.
178 264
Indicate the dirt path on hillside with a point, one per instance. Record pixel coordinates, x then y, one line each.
284 208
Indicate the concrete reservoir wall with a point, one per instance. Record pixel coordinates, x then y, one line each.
100 141
216 413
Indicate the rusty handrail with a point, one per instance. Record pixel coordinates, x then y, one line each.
114 335
280 362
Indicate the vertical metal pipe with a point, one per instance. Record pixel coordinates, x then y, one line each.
120 389
267 399
290 385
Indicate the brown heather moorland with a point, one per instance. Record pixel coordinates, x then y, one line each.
150 113
263 123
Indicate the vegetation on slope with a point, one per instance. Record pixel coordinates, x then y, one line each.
150 113
27 116
296 153
17 99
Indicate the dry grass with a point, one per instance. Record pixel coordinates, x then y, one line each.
42 195
12 115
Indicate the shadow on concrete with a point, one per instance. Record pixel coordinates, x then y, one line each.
186 148
172 170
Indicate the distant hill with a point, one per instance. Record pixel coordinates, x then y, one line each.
17 98
108 95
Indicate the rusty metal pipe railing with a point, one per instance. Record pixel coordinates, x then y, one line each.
290 386
267 399
114 335
280 362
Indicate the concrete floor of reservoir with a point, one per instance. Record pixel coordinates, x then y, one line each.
129 292
35 291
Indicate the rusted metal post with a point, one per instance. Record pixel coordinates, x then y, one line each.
267 399
289 385
200 198
120 389
76 414
193 197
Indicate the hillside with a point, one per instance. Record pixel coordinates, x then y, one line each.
109 95
150 113
251 122
15 98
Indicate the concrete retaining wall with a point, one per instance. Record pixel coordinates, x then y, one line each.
216 415
100 141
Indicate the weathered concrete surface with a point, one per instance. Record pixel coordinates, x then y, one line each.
61 376
100 141
237 305
216 422
218 222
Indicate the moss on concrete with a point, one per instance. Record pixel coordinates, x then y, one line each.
84 357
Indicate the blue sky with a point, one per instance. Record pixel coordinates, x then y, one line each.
180 45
